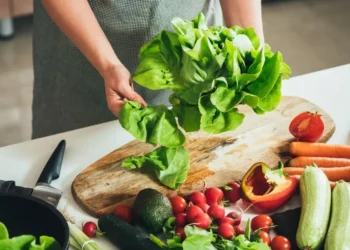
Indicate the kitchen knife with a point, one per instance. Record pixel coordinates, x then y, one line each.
43 190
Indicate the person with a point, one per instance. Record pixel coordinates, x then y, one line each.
85 52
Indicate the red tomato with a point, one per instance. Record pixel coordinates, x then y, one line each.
307 126
202 221
262 222
226 231
234 194
213 195
180 220
197 198
179 204
123 212
265 237
280 243
239 230
180 232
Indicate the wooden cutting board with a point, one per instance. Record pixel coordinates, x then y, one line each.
215 159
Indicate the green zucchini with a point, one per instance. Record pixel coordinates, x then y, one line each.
124 235
315 193
338 235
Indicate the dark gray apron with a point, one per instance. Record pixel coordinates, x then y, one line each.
68 90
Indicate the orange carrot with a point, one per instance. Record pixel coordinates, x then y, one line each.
333 174
319 149
332 183
322 162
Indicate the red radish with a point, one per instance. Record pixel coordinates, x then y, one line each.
123 212
180 220
180 232
178 203
236 217
202 221
203 206
213 195
192 212
239 230
226 220
90 228
233 194
197 198
226 231
216 211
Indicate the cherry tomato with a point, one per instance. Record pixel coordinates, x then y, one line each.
234 194
226 231
262 222
213 195
280 243
197 198
180 232
180 220
123 212
239 230
307 126
265 237
179 204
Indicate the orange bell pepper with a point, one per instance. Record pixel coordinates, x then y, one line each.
267 189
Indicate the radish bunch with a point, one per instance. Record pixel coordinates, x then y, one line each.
206 210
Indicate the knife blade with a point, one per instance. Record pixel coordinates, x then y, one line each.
43 190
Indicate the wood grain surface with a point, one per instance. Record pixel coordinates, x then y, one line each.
214 159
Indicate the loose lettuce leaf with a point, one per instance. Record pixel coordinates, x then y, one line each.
28 242
197 238
242 243
170 165
153 124
213 121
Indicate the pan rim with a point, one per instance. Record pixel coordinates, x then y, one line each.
50 207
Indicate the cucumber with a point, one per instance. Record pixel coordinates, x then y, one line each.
338 235
315 193
124 235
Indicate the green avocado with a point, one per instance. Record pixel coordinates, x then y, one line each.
151 209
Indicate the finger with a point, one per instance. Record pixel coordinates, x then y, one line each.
129 93
115 103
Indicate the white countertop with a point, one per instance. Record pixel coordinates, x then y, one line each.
23 163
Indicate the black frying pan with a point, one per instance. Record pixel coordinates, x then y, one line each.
23 213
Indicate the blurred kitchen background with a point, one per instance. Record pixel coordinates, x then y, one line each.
311 34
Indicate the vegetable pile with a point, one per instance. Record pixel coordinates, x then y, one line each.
26 242
210 71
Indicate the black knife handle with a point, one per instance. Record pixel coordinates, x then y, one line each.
53 166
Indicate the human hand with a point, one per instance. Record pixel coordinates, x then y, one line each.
118 88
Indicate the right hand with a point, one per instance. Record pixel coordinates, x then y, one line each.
118 88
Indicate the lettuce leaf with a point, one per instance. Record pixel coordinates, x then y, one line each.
170 165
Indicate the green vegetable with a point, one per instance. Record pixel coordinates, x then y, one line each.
151 210
315 195
210 70
124 235
26 242
78 239
155 125
338 235
197 238
169 164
